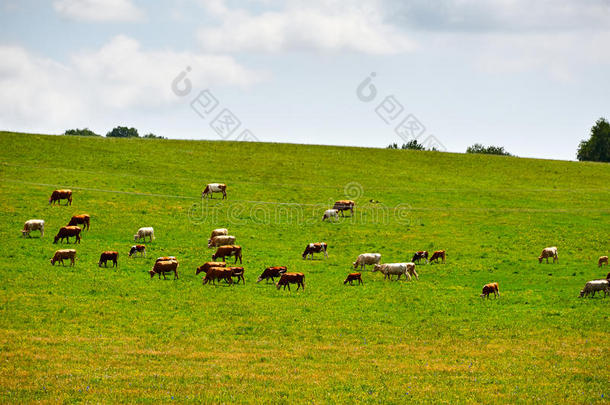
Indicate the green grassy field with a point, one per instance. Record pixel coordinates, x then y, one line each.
89 334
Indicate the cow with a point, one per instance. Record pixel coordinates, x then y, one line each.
83 219
344 205
591 287
228 250
143 233
328 214
353 277
549 252
367 258
271 273
390 269
33 225
208 265
218 273
602 260
439 254
109 255
169 266
166 258
422 254
237 272
141 249
218 232
489 289
64 254
291 278
66 232
221 240
312 248
212 188
59 195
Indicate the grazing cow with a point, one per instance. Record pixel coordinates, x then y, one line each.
353 277
328 214
237 272
83 219
221 240
591 287
549 252
141 249
208 265
367 258
66 232
218 273
64 254
143 233
33 225
218 232
344 205
602 260
390 269
291 278
59 195
169 266
439 254
114 256
271 273
212 188
422 254
489 289
228 250
312 248
166 258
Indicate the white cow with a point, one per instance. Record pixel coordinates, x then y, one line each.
33 225
596 285
212 188
221 240
332 213
399 269
367 258
549 252
143 233
218 232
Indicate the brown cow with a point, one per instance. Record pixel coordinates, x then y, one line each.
141 249
66 232
312 248
218 273
602 260
237 272
59 195
353 277
80 219
491 288
169 266
62 254
291 278
344 205
212 188
109 255
228 250
271 273
439 254
208 265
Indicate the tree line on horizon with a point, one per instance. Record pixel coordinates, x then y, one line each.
116 132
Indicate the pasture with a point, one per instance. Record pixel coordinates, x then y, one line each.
89 334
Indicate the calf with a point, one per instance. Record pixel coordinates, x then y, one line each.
353 277
221 240
212 188
83 219
367 258
143 233
489 289
312 248
208 265
59 195
291 278
420 255
390 269
64 254
328 214
237 272
169 266
228 250
344 205
66 232
439 254
591 287
109 255
271 273
602 260
549 252
218 273
141 249
33 225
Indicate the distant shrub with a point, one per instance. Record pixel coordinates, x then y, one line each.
487 150
411 145
153 136
123 132
80 132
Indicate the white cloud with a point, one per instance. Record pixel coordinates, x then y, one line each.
98 10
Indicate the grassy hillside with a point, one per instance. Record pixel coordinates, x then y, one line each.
106 335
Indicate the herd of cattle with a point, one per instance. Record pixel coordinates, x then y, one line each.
217 270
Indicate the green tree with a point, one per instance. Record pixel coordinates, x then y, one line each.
80 132
123 132
153 136
411 145
597 147
487 150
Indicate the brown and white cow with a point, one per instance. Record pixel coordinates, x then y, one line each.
602 260
271 273
169 266
218 273
141 249
237 272
491 288
66 232
439 254
165 258
291 278
391 269
59 195
549 252
353 277
418 256
64 254
208 265
344 205
212 188
221 240
109 255
312 248
83 219
218 232
228 250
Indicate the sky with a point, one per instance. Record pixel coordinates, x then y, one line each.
530 75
